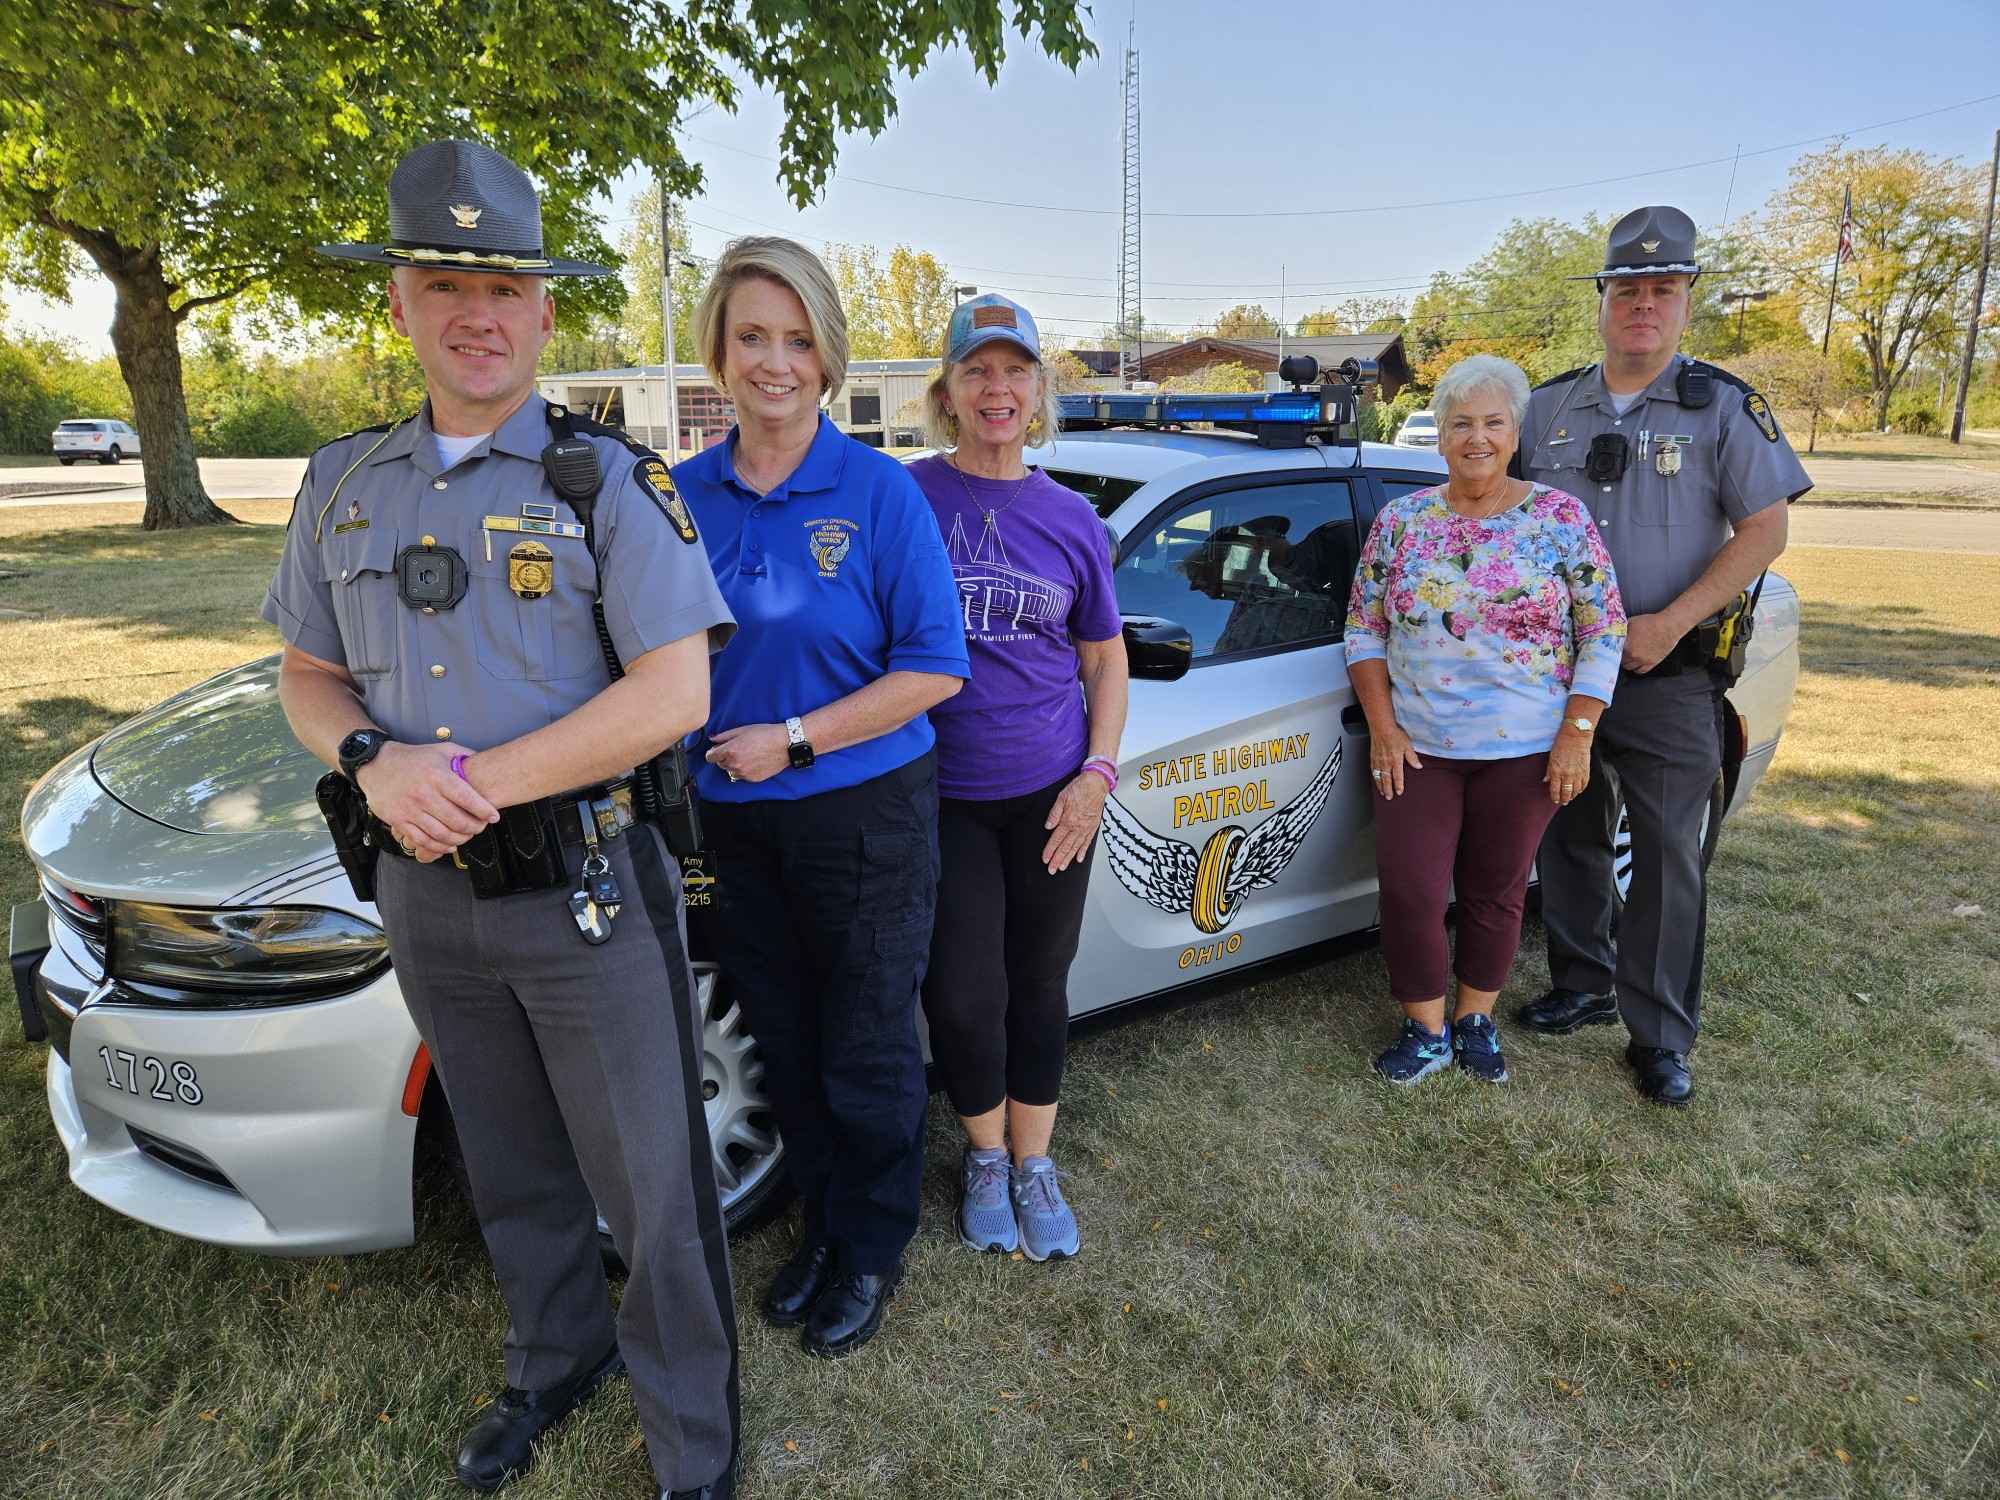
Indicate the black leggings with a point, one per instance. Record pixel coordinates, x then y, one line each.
997 992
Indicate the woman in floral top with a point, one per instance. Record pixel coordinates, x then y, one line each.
1483 640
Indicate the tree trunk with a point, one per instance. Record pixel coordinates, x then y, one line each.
146 336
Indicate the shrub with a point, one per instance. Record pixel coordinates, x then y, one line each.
1913 413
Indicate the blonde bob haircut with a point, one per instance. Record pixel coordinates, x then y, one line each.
941 427
792 266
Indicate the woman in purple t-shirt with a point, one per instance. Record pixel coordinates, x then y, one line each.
1025 760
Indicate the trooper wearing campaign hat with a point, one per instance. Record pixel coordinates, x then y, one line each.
1686 474
444 586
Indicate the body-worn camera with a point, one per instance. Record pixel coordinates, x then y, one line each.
1605 462
430 577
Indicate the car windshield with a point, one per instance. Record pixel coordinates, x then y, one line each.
1422 419
1104 493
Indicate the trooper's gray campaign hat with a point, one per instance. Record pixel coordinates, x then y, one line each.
1655 241
458 203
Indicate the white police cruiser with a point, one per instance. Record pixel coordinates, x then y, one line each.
229 1057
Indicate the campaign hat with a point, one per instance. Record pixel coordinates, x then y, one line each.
458 203
1657 241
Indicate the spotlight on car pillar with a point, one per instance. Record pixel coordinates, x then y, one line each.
1359 371
1298 370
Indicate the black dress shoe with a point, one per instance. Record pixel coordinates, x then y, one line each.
1663 1074
1560 1012
502 1446
797 1285
716 1489
848 1313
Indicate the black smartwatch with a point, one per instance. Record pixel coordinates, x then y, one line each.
358 749
800 749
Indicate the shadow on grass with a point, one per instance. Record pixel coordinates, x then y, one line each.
1893 642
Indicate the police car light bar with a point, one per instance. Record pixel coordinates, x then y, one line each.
1277 419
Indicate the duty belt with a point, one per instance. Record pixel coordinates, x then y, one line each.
563 812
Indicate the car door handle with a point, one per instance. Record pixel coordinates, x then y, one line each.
1353 720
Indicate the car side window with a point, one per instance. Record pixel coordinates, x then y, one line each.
1259 568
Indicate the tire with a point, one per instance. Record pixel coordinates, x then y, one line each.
1621 841
113 456
65 462
749 1155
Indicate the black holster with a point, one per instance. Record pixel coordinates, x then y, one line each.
346 814
665 794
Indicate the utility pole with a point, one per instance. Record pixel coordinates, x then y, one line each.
1840 250
667 325
1978 299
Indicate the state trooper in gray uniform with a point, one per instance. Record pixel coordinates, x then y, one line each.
1686 475
438 596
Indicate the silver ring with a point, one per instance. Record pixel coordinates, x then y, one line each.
1378 775
732 776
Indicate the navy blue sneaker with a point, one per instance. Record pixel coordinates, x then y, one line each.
1476 1040
1416 1055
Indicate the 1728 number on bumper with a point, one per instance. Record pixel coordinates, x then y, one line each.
170 1080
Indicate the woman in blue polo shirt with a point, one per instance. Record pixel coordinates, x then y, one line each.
819 782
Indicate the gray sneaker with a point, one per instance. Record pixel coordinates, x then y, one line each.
1048 1228
985 1217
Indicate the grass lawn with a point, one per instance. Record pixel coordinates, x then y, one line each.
1296 1282
1979 446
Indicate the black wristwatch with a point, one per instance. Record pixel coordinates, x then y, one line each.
358 749
800 748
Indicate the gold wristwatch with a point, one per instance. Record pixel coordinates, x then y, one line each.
1582 725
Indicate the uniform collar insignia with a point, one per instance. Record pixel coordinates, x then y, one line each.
353 510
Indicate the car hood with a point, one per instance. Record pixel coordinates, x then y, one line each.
195 801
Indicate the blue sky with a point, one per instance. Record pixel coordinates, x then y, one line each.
1269 107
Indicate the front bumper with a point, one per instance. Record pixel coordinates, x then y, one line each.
299 1144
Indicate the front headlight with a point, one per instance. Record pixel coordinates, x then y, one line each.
242 955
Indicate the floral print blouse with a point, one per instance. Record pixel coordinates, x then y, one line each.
1487 626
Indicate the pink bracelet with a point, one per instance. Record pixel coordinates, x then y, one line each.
458 766
1105 770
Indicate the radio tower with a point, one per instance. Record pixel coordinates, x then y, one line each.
1131 323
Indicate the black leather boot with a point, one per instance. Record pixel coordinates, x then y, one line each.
1662 1074
848 1313
502 1445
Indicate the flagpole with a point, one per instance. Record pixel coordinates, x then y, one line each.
1832 289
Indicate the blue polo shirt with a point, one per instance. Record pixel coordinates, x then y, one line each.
836 577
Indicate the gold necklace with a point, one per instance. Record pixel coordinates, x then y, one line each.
966 484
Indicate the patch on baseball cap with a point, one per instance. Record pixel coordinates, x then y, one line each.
995 315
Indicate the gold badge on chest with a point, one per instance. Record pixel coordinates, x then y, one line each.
1667 458
531 570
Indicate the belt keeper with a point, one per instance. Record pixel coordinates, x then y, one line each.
605 811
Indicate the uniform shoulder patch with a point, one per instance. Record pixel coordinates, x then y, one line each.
658 483
1566 375
1759 411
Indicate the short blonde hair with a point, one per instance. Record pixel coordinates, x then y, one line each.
941 427
792 266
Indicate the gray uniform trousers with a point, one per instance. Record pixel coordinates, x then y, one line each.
1660 745
574 1077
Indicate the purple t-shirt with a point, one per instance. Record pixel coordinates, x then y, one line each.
1032 581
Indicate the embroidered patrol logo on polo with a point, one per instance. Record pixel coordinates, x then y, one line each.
654 472
1211 884
1760 412
466 216
832 539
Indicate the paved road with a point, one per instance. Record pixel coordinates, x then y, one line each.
1940 531
226 479
1876 476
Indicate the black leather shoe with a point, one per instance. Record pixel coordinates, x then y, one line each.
1662 1074
848 1313
502 1446
797 1285
1560 1012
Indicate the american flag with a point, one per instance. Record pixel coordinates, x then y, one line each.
1846 225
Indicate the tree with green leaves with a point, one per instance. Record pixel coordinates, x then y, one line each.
195 152
916 303
1246 320
640 245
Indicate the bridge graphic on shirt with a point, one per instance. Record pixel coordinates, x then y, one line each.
997 597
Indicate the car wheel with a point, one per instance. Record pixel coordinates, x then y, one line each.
749 1155
1621 840
113 456
65 462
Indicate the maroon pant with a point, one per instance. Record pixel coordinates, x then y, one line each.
1472 824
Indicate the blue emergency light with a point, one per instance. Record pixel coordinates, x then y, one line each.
1277 419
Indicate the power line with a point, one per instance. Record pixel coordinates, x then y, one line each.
1376 208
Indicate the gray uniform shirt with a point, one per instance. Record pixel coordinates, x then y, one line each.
1662 529
500 663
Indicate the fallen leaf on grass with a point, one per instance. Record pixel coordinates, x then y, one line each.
1084 1464
1841 1454
1161 1403
210 1415
381 1416
1111 1091
1208 1046
1128 1307
1010 1395
1913 1400
481 1400
333 1286
791 1446
1128 1434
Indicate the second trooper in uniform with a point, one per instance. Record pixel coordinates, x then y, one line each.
436 596
1686 475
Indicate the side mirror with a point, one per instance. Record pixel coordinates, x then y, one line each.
1157 650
